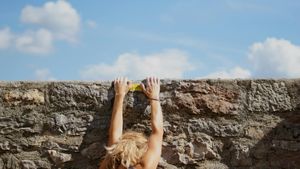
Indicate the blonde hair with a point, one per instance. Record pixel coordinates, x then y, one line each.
128 151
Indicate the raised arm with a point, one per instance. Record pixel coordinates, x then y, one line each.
152 156
121 87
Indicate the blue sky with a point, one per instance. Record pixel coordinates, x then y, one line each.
99 40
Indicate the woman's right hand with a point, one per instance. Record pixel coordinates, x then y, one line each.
121 86
152 89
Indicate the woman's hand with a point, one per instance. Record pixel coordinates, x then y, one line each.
153 88
121 86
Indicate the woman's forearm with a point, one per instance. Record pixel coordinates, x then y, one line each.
156 117
116 122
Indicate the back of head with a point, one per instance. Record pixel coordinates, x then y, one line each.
128 151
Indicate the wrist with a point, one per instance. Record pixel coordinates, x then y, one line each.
153 97
153 101
120 95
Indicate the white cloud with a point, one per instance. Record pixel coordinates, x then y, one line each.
236 72
43 74
39 42
170 63
59 17
54 20
275 58
6 38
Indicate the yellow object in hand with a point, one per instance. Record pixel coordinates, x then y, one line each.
135 87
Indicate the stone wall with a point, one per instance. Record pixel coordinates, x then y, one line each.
208 123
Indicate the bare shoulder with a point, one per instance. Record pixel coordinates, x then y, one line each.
152 156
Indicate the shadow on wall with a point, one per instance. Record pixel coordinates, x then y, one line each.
92 149
95 138
280 148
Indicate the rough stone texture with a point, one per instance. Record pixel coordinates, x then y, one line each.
209 124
